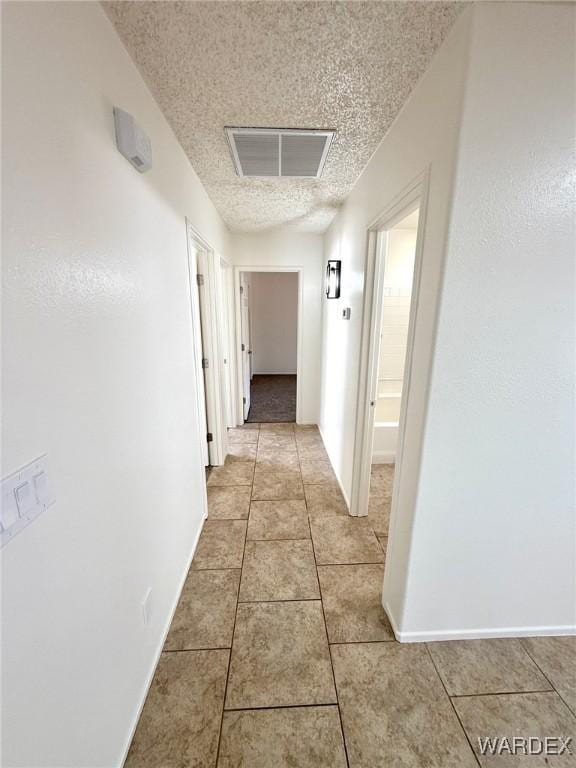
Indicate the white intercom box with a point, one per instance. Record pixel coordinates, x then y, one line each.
132 142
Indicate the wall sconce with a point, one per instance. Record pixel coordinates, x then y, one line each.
333 279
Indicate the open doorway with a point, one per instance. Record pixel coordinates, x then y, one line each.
209 328
269 308
393 270
394 310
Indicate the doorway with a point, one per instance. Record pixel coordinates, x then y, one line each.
269 308
390 309
394 310
209 328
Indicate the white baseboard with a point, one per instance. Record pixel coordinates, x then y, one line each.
384 457
342 491
475 634
161 646
274 373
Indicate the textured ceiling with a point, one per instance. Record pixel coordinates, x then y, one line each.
343 65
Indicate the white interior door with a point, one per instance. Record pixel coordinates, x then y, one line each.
210 360
198 355
245 341
226 299
232 371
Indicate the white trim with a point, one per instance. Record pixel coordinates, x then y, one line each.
476 634
166 629
342 489
300 333
229 342
275 373
195 327
415 195
211 340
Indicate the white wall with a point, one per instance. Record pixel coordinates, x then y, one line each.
495 522
285 247
274 320
97 373
398 274
424 134
482 536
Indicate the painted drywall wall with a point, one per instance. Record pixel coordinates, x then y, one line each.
398 275
495 523
424 136
482 534
98 374
274 316
285 247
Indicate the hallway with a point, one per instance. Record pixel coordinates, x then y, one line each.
288 384
272 398
280 654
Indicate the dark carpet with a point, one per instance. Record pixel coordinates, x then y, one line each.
272 398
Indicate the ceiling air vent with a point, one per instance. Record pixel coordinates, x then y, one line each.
294 153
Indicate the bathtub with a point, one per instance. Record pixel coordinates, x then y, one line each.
386 429
384 445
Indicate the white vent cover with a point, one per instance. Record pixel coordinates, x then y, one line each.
294 153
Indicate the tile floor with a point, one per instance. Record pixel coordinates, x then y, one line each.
280 655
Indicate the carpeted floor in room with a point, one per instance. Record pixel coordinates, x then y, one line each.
272 398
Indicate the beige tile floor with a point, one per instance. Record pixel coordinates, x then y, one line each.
280 655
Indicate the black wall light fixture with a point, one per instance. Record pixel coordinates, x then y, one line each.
333 279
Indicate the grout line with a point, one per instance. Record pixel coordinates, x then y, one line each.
451 703
346 565
554 688
329 652
362 642
288 538
195 650
282 600
368 562
498 693
282 706
231 647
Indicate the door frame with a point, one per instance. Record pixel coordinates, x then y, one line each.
229 344
299 335
414 196
211 341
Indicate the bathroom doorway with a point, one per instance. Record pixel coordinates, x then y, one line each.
396 299
392 279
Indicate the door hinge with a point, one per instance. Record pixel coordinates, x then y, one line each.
199 279
205 362
241 289
209 437
243 347
244 401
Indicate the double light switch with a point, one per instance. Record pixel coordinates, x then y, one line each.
25 495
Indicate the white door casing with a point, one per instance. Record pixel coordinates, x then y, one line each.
204 267
414 196
245 350
238 277
197 351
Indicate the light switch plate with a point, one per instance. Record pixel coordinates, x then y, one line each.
147 606
25 495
